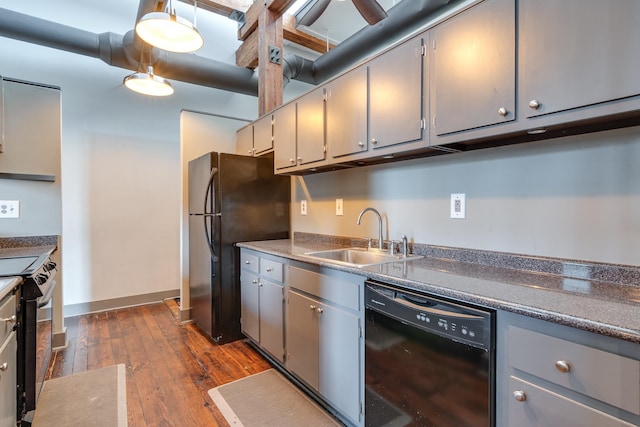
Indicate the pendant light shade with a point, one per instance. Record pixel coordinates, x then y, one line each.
169 32
148 83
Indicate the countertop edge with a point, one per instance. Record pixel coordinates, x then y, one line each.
296 252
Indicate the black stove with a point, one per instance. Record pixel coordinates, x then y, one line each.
38 271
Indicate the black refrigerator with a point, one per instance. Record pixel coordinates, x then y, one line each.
232 199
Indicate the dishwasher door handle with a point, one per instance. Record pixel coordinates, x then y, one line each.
401 299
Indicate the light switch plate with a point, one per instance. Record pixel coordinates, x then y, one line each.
339 207
458 206
9 209
303 207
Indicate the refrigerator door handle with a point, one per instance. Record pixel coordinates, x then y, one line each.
207 234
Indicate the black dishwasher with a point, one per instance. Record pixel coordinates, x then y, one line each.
428 361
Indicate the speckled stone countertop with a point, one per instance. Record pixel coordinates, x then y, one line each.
19 247
570 296
7 284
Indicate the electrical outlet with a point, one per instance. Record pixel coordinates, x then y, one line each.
458 206
9 209
339 206
303 207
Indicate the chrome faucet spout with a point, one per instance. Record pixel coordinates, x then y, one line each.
380 239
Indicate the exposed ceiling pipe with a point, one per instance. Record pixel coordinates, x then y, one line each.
111 48
124 51
404 18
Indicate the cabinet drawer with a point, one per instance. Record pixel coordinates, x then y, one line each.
7 312
541 407
250 262
608 377
340 288
271 269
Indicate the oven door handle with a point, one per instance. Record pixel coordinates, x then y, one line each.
48 291
404 300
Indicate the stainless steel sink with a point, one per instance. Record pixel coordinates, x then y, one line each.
358 257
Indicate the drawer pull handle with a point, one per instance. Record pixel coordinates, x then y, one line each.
4 366
11 319
269 269
519 395
563 366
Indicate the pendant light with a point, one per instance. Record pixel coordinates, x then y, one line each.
148 83
167 31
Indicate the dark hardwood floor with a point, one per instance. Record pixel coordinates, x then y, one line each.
170 366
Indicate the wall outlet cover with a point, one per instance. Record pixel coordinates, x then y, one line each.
303 207
339 207
458 206
9 209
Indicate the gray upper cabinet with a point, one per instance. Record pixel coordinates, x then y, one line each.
284 137
396 95
263 134
310 132
257 138
473 66
244 141
346 113
577 53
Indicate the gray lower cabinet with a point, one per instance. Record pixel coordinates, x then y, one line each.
473 62
8 368
262 302
575 54
324 336
553 375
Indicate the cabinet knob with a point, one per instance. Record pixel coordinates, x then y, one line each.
4 366
534 104
360 144
374 141
502 111
319 310
11 319
299 159
312 307
269 269
519 395
254 281
563 366
247 262
292 160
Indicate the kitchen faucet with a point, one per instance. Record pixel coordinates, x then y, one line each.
380 241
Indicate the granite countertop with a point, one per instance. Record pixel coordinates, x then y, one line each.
607 308
7 284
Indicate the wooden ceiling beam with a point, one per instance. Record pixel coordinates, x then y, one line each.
292 34
222 7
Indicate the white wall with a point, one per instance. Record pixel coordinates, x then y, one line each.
122 172
576 197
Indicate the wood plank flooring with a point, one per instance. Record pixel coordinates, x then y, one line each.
170 366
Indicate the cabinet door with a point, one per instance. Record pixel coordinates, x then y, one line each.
263 134
284 136
244 143
575 53
310 133
347 113
8 381
339 362
473 68
271 316
249 305
541 407
302 338
396 95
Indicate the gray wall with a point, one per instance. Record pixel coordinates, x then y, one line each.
576 197
31 146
